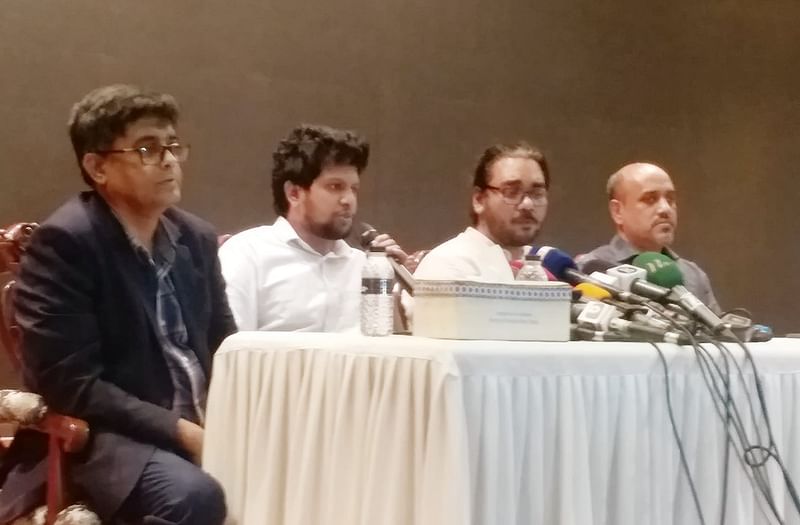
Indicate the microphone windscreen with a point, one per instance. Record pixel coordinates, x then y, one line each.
555 261
661 269
593 291
597 265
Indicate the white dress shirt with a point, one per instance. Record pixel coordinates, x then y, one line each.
468 256
276 281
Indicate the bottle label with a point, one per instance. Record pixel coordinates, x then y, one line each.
376 286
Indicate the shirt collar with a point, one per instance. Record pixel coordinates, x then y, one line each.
164 241
476 236
623 250
286 233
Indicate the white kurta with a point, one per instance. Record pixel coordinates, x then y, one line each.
468 256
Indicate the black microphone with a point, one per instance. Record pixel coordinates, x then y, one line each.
368 235
404 277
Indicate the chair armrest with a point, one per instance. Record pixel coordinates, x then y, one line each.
24 408
72 433
28 410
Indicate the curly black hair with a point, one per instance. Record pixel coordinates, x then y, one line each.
307 150
104 114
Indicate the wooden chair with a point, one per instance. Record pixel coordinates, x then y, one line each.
65 434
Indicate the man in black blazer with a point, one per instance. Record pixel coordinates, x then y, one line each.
122 304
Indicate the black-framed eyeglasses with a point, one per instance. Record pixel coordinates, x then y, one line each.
514 195
154 154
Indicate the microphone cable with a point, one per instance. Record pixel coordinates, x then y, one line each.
728 412
676 434
773 448
733 423
746 454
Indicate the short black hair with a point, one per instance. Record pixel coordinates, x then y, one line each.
492 154
307 150
104 114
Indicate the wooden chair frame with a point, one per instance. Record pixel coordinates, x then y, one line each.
65 434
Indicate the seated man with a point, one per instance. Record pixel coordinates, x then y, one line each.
509 205
642 203
299 274
121 304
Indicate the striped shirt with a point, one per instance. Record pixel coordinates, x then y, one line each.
188 379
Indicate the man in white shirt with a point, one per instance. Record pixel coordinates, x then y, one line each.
299 274
509 205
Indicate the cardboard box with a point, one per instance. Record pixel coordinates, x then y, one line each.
524 311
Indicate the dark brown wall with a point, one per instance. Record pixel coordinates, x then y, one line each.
707 89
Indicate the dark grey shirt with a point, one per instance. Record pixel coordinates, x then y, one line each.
694 278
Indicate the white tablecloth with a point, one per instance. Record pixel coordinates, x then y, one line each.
342 429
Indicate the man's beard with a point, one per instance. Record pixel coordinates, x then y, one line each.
509 237
331 230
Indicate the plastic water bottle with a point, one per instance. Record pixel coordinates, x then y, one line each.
532 270
377 303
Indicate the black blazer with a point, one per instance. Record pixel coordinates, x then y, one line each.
86 306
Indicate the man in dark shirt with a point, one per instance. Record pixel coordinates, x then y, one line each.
642 203
122 304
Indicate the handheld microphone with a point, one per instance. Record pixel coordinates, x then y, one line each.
404 277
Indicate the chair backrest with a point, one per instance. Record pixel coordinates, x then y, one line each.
13 241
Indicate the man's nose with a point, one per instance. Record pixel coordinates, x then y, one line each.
664 206
168 158
526 203
349 197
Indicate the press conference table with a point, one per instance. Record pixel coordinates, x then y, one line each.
307 428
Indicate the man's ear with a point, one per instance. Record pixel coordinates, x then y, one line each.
615 210
478 200
292 191
94 165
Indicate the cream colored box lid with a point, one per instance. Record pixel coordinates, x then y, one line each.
516 291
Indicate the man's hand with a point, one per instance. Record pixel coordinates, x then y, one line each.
190 438
392 248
